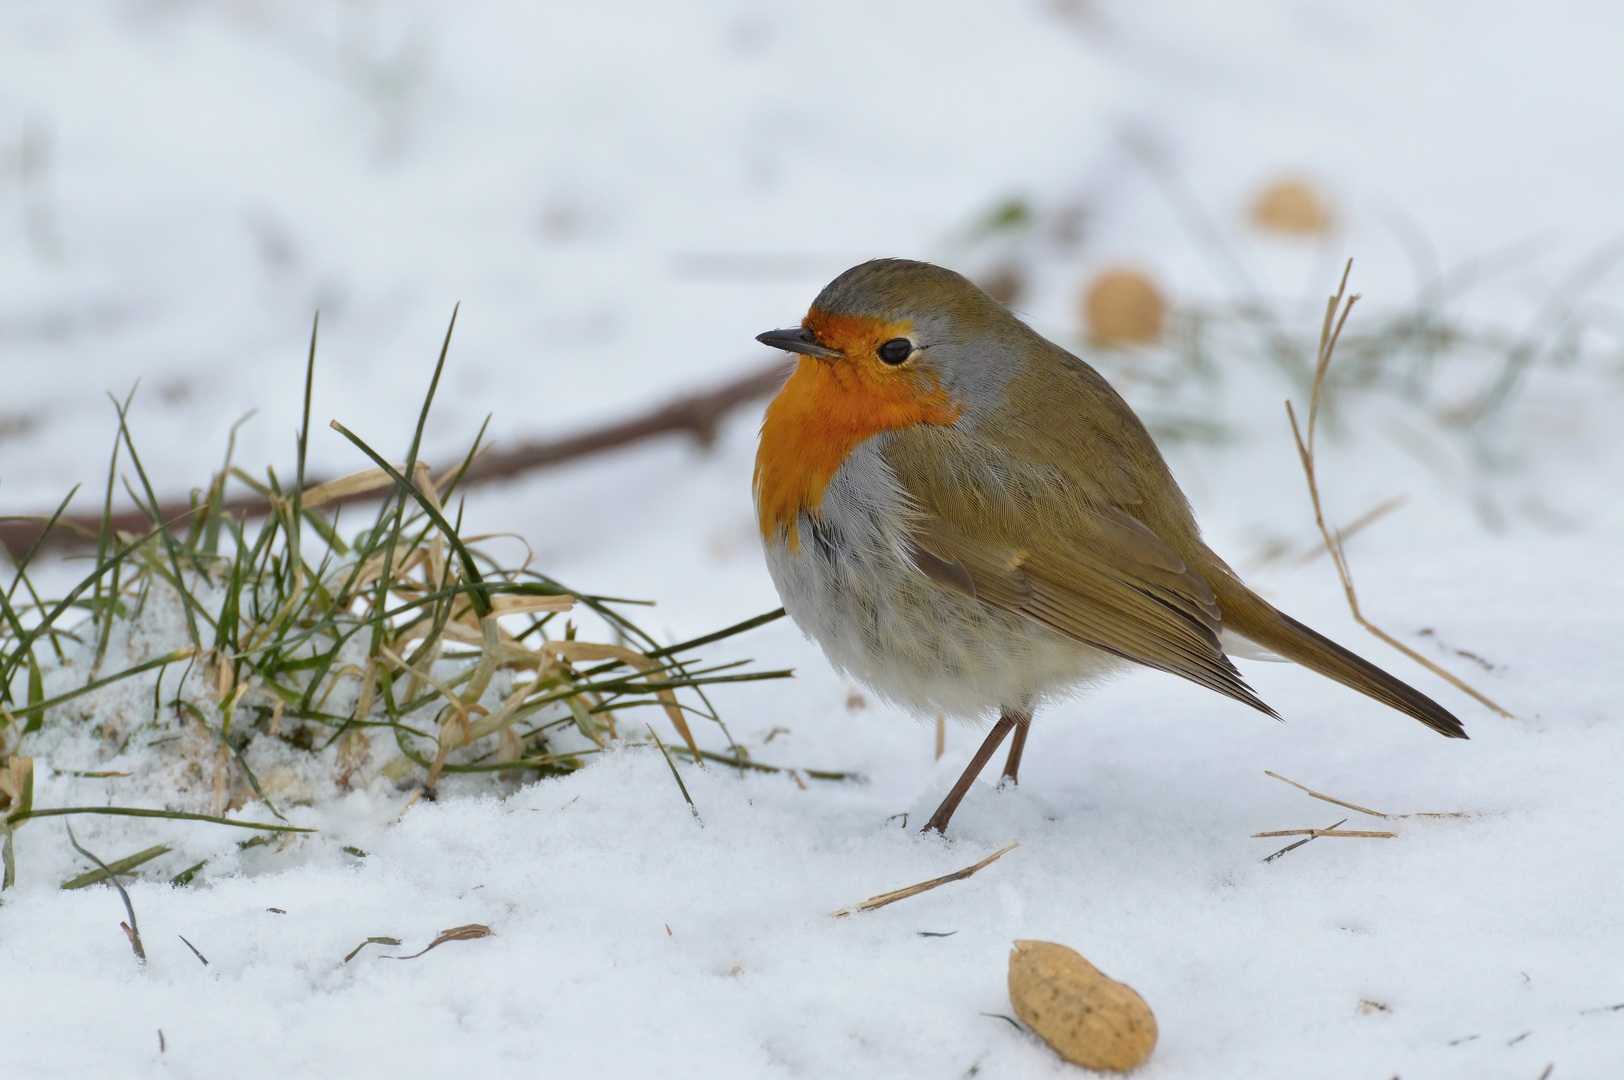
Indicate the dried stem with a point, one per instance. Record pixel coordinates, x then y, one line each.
1333 831
1331 331
1324 798
1361 809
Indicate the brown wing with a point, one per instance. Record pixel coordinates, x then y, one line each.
1022 540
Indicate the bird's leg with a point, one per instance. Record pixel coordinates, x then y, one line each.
1012 764
938 821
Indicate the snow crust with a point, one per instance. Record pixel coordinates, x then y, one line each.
622 195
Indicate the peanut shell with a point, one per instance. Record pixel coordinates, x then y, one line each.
1293 206
1124 306
1086 1017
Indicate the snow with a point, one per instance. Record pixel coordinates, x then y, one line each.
621 196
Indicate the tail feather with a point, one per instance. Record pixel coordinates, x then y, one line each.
1250 615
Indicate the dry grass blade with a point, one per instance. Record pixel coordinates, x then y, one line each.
756 766
122 866
16 784
370 941
1333 831
1329 334
1354 806
456 933
525 605
576 651
925 886
1325 798
348 487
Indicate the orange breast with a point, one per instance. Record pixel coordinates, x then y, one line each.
827 409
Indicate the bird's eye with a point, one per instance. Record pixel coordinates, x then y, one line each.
896 350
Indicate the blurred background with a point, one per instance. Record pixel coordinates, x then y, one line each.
622 194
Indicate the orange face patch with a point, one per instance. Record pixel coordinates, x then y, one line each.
828 408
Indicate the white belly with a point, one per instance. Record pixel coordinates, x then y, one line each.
853 589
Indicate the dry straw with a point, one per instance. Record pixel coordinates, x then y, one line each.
1337 829
925 886
1336 316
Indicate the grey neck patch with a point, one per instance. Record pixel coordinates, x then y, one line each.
967 340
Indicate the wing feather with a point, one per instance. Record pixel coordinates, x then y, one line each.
1088 570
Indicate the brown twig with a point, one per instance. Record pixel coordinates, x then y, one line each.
913 890
696 414
1329 333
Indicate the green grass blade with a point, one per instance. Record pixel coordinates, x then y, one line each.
479 592
35 708
119 866
8 857
185 877
736 628
672 765
173 815
189 604
304 443
64 604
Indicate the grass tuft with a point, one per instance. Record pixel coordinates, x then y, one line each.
224 662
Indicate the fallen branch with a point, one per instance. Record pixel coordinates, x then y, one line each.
698 415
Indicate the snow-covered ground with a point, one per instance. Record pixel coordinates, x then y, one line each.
621 195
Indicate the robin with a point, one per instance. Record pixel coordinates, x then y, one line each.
969 519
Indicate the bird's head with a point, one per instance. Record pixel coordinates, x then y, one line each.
901 331
887 345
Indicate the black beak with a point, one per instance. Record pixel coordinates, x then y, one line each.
798 340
